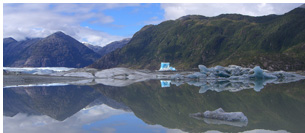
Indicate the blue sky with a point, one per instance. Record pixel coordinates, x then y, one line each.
100 23
127 20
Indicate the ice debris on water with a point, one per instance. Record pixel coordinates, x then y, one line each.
37 70
234 78
219 116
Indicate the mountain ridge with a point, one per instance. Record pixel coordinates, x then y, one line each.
274 42
56 50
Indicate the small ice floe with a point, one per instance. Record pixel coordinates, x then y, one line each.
123 73
219 116
117 82
166 67
79 74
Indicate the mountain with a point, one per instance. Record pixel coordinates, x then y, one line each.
274 42
12 49
93 47
109 47
113 46
56 50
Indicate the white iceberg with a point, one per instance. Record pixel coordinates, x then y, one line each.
234 78
219 116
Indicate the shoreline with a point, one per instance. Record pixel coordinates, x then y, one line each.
27 79
112 77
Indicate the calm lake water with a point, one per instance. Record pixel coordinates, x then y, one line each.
148 107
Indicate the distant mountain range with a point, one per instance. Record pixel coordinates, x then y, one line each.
113 46
274 42
56 50
95 48
109 47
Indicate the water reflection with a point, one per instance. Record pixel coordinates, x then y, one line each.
147 107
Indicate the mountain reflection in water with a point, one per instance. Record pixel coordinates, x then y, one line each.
147 107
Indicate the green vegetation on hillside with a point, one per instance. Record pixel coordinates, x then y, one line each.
274 42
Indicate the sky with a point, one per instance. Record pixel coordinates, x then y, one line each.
99 118
102 23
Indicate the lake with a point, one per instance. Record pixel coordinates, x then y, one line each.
151 106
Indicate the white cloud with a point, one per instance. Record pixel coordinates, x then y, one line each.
73 124
86 120
174 11
40 20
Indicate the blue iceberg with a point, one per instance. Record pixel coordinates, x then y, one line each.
166 67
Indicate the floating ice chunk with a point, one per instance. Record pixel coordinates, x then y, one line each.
222 74
219 68
195 75
259 74
230 123
203 69
166 67
220 114
196 83
123 73
79 74
177 76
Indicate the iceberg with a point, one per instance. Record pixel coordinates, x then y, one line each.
166 67
259 74
221 122
234 78
219 116
79 74
177 76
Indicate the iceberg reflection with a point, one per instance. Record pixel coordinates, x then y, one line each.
165 83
